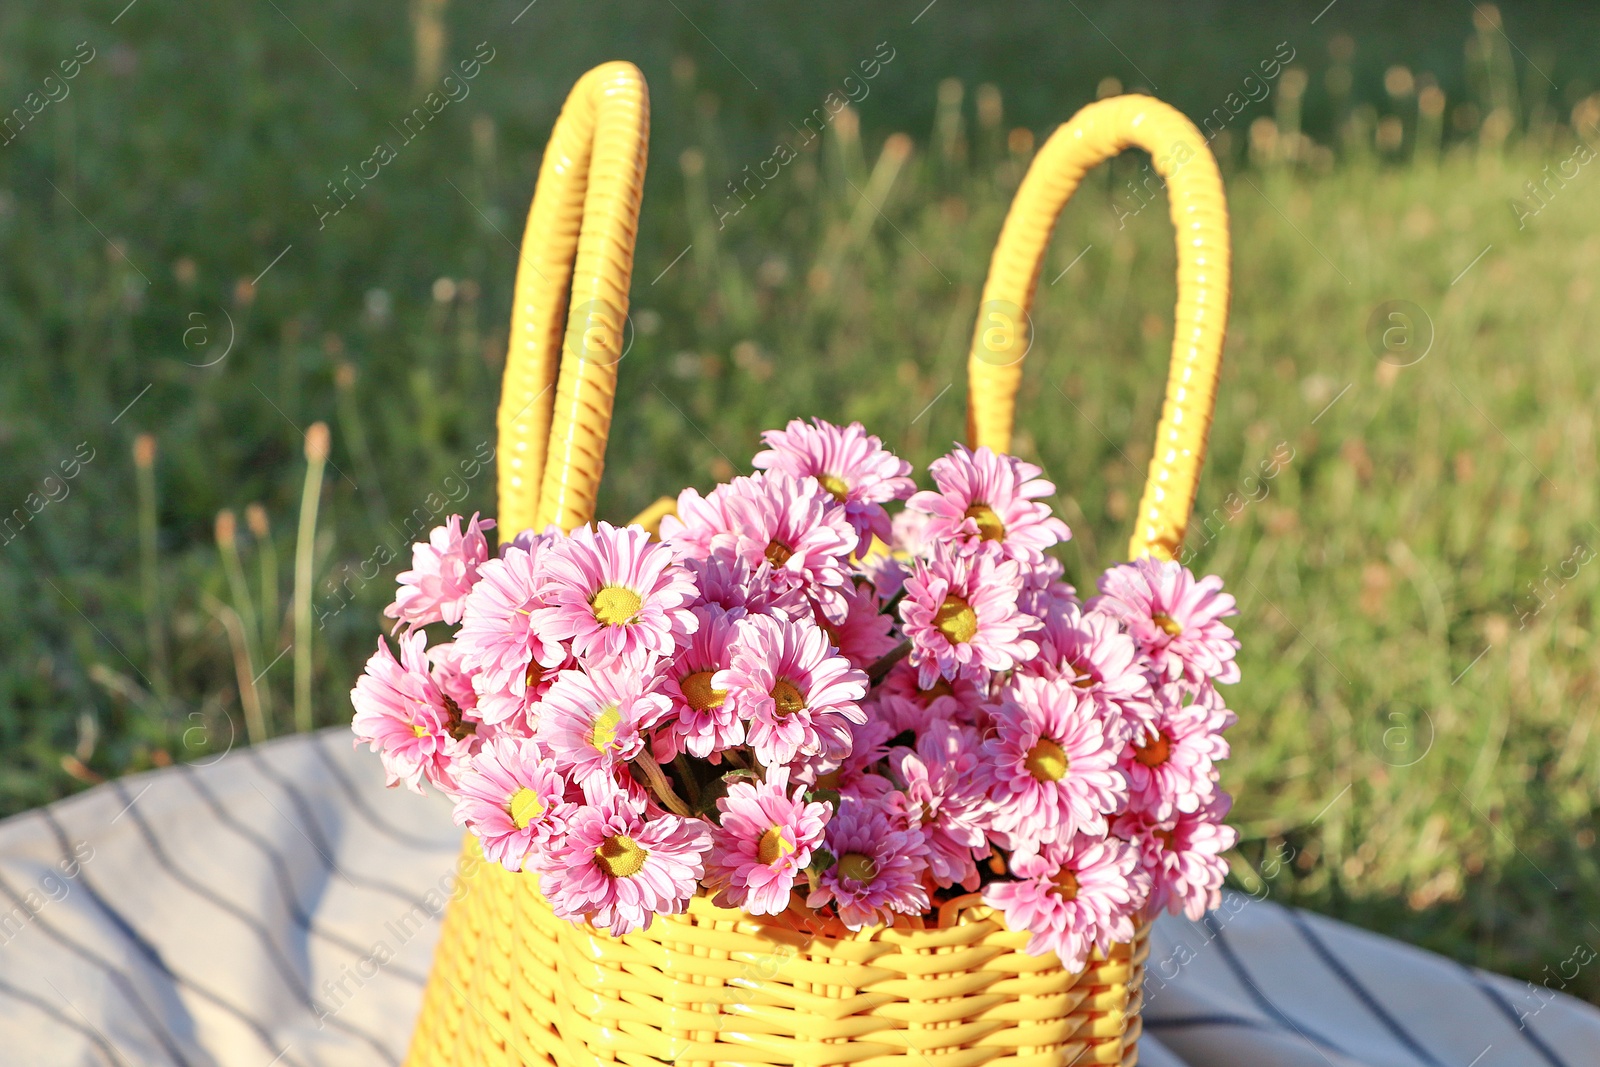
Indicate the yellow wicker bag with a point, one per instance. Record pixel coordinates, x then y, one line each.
513 984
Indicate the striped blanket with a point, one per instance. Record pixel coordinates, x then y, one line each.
279 907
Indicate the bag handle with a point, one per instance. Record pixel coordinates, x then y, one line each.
571 298
1200 215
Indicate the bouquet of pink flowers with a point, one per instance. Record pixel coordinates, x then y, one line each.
792 700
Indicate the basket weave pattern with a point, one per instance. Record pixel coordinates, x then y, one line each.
512 984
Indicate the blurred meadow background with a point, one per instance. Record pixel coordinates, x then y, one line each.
230 400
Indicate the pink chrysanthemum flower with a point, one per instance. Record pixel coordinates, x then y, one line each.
504 708
961 700
849 463
404 716
704 720
792 524
697 521
886 571
591 721
497 635
763 845
1183 855
910 530
443 571
947 786
1090 650
1073 898
510 797
454 676
618 870
960 612
614 594
795 696
1170 760
1175 620
865 636
1055 758
878 865
990 496
728 582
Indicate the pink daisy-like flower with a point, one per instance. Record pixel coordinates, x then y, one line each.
961 700
1169 761
886 571
989 496
1175 620
510 797
763 845
697 521
792 524
443 570
618 870
960 612
866 634
1183 855
454 676
591 721
405 717
879 862
497 635
796 697
704 720
947 786
910 530
614 594
1091 651
728 582
504 708
1073 898
1055 757
849 463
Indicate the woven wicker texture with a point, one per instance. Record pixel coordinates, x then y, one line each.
572 297
511 983
1200 215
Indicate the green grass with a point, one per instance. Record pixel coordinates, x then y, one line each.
1411 755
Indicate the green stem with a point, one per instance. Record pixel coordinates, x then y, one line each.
304 560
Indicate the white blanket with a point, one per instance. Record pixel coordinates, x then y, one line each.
280 907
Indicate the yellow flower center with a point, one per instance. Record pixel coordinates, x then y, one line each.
773 846
620 856
990 528
941 688
835 485
418 730
1046 761
534 675
1164 836
858 867
1154 752
778 553
615 605
956 620
787 697
1084 679
525 807
604 733
698 692
1168 624
1067 885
